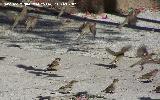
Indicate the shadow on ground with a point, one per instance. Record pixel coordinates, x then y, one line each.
111 66
36 71
2 58
47 32
147 98
44 97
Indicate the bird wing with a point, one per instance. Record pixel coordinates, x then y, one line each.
55 63
82 26
110 51
93 29
62 87
142 51
125 48
138 62
146 76
109 88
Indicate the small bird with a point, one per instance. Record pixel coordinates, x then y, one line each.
54 64
65 7
86 28
111 87
118 54
20 17
131 18
67 88
142 51
157 90
145 57
149 76
31 22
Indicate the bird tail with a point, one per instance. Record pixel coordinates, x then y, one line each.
133 65
126 48
103 91
49 65
110 51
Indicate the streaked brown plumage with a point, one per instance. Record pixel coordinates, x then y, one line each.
54 64
157 90
149 76
20 17
65 7
131 18
67 88
31 22
142 51
145 57
111 88
118 54
87 27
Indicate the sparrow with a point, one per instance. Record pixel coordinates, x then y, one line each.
131 18
20 17
65 7
157 90
54 64
118 54
111 87
31 22
142 51
86 28
145 57
67 88
149 76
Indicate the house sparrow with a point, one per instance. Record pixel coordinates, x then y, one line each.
20 17
118 54
157 90
54 64
131 18
86 28
145 57
149 76
67 88
65 7
111 87
31 22
142 51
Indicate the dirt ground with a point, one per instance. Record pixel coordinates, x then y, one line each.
26 56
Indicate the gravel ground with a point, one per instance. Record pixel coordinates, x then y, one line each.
23 77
